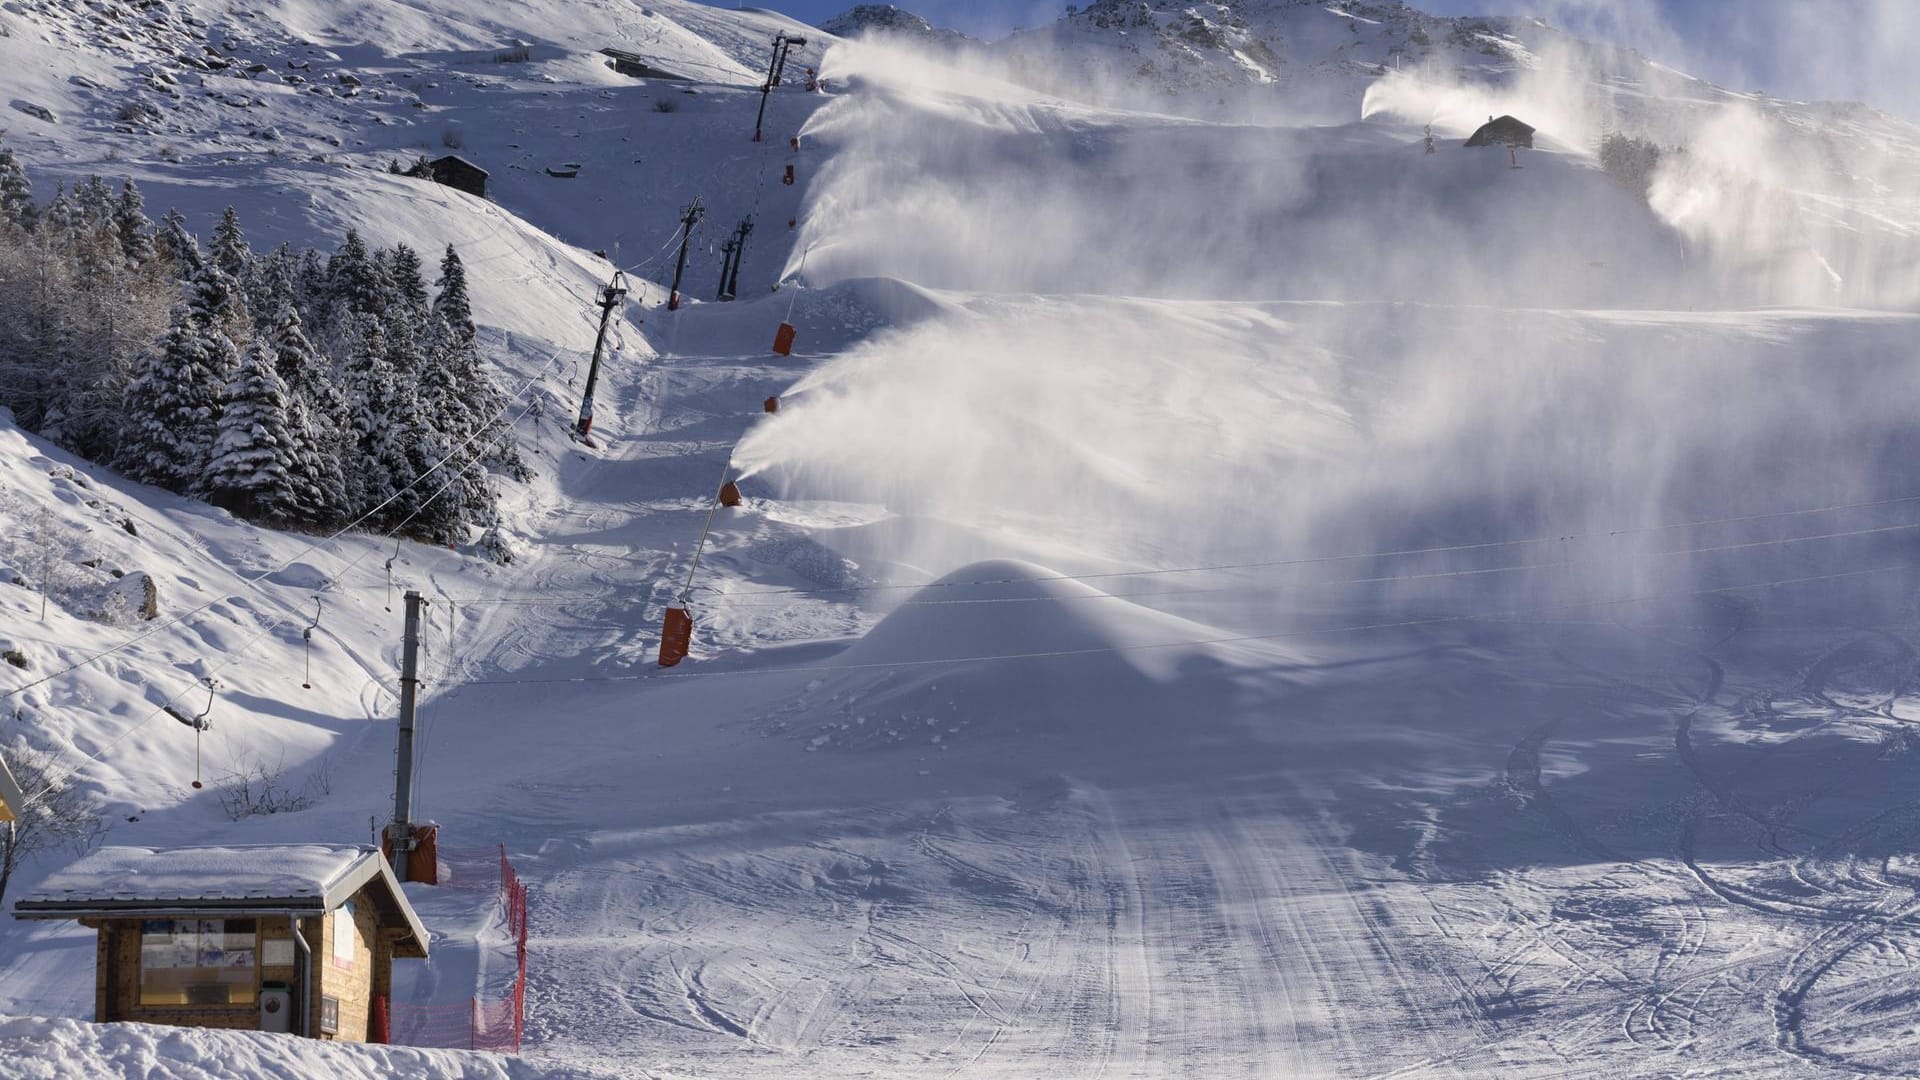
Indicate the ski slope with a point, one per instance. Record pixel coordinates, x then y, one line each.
1218 597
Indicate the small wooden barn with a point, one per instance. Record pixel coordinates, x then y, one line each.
1503 131
457 172
290 938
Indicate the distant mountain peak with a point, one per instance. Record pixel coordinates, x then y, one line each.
889 20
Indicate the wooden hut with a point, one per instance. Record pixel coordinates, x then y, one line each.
457 172
289 938
1503 131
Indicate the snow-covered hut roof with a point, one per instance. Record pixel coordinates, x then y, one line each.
1503 130
458 162
247 879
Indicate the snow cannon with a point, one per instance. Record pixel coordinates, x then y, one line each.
676 636
783 339
787 177
793 223
794 143
772 404
729 494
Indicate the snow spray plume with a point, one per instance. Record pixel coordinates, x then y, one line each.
1777 203
1206 344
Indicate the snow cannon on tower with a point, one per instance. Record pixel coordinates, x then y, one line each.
782 43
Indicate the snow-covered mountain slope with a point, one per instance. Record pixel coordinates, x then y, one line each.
1217 596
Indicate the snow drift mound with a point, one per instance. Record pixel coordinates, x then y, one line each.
36 1049
1012 648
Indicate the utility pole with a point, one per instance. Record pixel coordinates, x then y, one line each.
781 43
687 221
734 250
400 833
610 298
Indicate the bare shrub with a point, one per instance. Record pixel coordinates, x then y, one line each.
254 787
59 814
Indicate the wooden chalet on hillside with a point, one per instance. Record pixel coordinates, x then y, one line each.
1503 131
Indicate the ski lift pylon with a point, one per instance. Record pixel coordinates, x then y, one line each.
676 636
306 636
200 726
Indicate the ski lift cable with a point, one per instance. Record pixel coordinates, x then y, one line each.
498 225
672 238
236 654
159 711
1523 614
1315 560
317 545
735 597
1381 579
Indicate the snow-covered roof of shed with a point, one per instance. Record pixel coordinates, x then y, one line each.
134 882
172 875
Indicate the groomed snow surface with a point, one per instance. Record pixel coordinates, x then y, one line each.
1219 597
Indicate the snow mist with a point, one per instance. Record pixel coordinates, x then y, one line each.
1178 344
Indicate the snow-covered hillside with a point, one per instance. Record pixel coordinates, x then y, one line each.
1225 590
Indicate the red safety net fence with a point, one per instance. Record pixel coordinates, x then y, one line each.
493 1019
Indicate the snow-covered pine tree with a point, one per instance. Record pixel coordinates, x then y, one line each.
276 284
316 417
172 404
17 208
464 497
178 246
93 238
409 283
313 288
58 216
455 339
230 252
355 280
229 248
376 418
93 206
130 220
102 314
451 304
251 472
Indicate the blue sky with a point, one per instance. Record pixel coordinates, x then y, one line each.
1841 49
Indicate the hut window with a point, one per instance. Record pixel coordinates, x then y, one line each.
345 935
198 962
